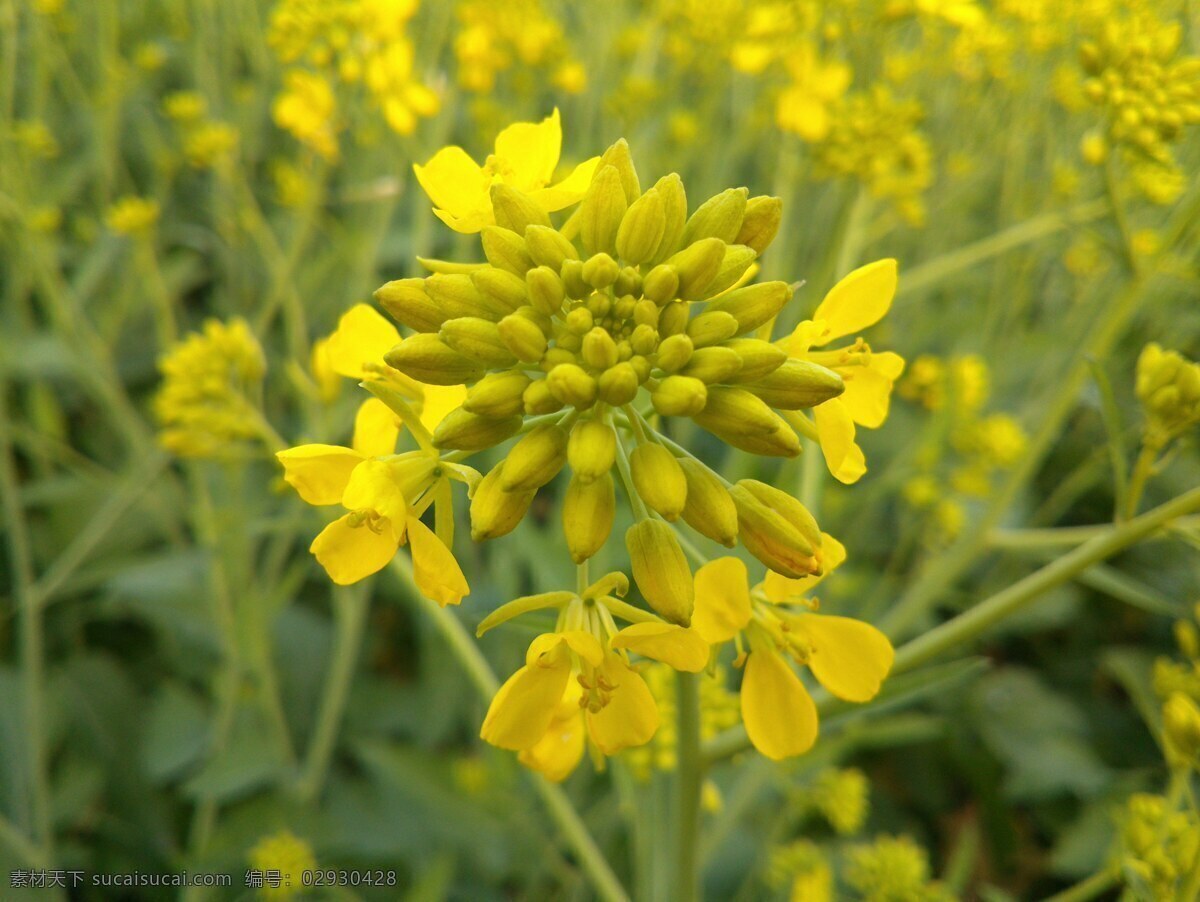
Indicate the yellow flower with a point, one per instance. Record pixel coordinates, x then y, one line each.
286 855
848 657
803 107
307 109
132 215
525 158
578 680
857 302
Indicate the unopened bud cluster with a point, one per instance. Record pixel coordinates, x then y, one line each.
1168 385
632 309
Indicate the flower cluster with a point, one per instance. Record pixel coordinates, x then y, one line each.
513 36
1158 846
207 404
1168 385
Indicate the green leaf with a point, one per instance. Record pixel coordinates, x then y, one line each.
177 733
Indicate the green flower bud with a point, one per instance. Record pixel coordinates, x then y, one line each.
461 430
549 247
642 228
506 250
629 282
522 337
618 384
673 318
426 358
498 395
759 358
538 399
659 479
718 217
768 531
571 384
600 270
674 197
589 509
645 313
591 449
644 340
507 290
580 321
495 512
711 327
478 339
572 278
516 210
674 353
620 159
457 296
797 384
535 459
641 366
599 349
753 305
709 508
545 290
661 284
679 396
410 305
711 365
733 266
601 210
660 570
761 223
697 265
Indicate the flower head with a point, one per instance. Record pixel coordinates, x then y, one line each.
282 854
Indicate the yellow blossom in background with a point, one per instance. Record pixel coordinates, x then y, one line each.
892 868
208 143
132 216
805 869
185 106
37 139
512 35
1158 845
207 405
307 109
841 795
287 855
804 107
1168 385
525 158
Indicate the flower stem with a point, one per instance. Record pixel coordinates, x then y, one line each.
1143 468
689 778
1088 888
566 819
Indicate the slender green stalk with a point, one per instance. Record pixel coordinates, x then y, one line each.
1088 888
1143 469
350 616
566 819
1060 536
689 780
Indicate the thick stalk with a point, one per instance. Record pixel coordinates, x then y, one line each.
689 780
1086 889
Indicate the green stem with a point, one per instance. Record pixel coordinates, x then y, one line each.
566 819
689 780
1040 539
350 612
1086 889
970 624
1143 469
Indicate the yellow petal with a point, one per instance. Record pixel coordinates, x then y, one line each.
376 429
362 336
859 300
530 151
835 428
568 191
801 112
557 753
438 401
888 364
524 706
631 717
350 553
435 570
866 396
779 589
779 714
682 648
849 657
319 473
455 183
722 599
375 486
470 222
807 334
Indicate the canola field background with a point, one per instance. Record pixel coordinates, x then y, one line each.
241 605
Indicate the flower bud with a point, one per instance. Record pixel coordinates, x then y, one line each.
641 366
409 304
679 396
697 265
711 365
735 264
589 509
781 442
461 430
711 327
660 570
549 247
644 340
571 384
498 395
506 250
761 223
601 210
522 337
538 399
629 282
642 228
478 339
457 296
661 284
759 358
599 350
619 384
769 534
545 289
673 318
535 459
516 210
674 353
426 358
507 290
600 270
753 305
674 197
735 410
709 508
619 158
591 449
1181 723
658 479
495 512
797 384
718 217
